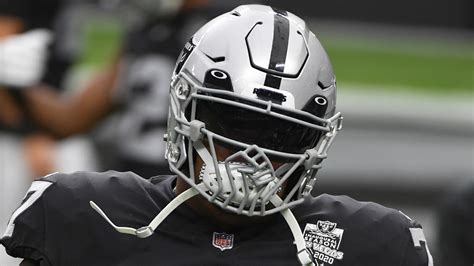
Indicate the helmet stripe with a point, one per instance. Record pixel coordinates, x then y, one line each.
281 34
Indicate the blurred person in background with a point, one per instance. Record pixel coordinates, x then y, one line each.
129 97
456 227
31 52
246 136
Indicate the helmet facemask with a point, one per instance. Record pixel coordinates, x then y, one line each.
262 164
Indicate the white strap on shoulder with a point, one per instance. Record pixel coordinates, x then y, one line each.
147 231
418 236
303 255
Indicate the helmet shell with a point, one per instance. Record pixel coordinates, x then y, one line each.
262 47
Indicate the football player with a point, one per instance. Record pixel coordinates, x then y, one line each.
28 49
251 117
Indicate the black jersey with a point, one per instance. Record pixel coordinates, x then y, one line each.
56 226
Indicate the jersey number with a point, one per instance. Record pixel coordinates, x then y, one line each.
34 193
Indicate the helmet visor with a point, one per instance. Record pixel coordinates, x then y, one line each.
252 127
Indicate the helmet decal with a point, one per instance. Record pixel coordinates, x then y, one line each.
268 95
183 56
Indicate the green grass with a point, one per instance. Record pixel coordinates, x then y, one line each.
102 41
441 69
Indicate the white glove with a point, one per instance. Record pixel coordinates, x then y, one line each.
23 58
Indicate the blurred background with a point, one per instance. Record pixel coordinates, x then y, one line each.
405 87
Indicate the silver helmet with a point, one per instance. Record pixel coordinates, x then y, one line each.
258 82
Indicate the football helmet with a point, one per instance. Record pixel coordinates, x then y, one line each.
258 82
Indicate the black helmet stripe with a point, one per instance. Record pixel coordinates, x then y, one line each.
281 34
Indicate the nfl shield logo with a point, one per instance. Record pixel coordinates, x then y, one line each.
222 241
